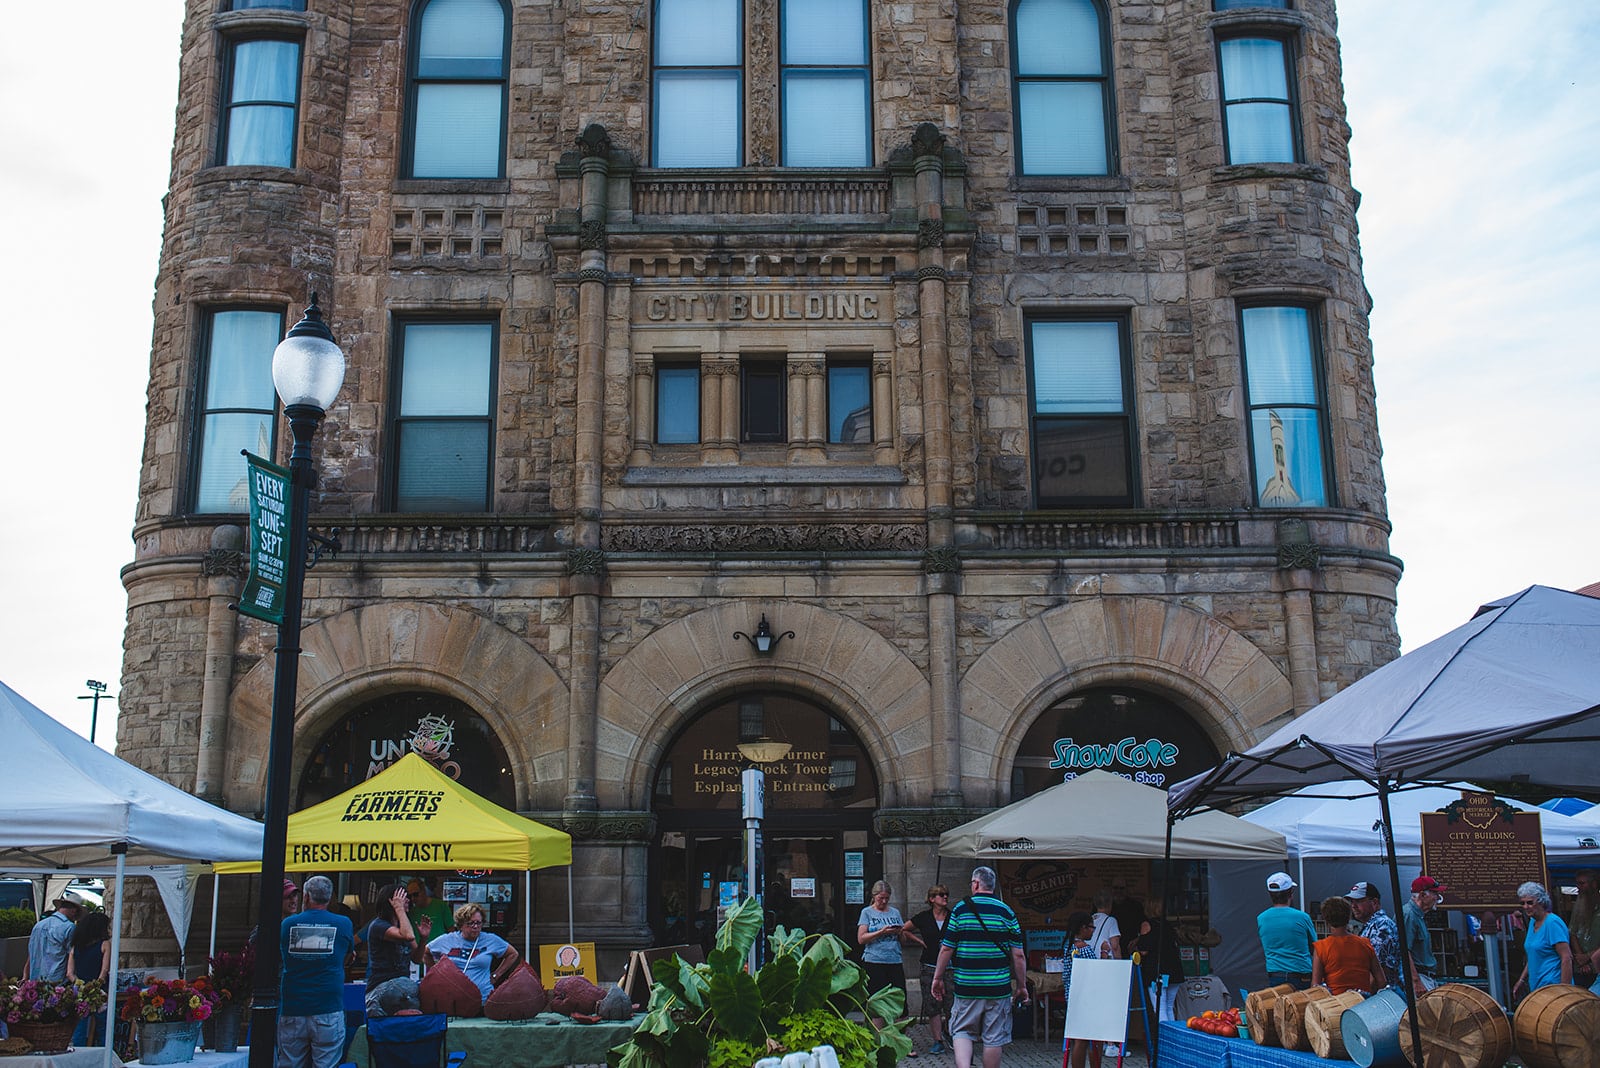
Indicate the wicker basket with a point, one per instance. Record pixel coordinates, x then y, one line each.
45 1037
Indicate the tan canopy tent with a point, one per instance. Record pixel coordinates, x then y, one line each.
412 816
1099 814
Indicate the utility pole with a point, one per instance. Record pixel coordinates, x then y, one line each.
99 689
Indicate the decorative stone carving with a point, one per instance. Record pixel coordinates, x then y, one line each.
926 140
593 274
1295 547
821 537
930 233
921 822
594 141
941 560
606 826
932 271
592 234
585 561
230 563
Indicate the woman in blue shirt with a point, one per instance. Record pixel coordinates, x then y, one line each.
1547 944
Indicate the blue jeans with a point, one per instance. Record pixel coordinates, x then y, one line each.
311 1041
1298 980
80 1034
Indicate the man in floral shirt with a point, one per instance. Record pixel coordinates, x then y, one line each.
1377 927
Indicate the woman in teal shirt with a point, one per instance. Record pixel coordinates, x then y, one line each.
1547 945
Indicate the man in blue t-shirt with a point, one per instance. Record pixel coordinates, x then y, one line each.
314 944
1287 935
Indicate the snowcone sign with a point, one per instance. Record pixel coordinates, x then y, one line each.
1130 758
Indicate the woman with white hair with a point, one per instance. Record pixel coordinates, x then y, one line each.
879 931
1547 944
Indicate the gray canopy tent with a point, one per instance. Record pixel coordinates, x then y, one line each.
1512 695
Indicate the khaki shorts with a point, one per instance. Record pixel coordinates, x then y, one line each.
986 1020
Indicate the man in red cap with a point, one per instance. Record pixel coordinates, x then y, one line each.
1426 895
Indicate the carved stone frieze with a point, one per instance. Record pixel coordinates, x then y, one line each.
930 233
941 560
592 234
820 537
629 826
226 562
585 561
921 822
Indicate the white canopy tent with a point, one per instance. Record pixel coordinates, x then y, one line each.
73 807
1099 814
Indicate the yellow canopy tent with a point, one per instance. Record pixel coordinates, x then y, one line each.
412 816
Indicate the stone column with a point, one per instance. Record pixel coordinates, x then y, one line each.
883 408
808 408
644 410
1298 561
941 563
585 561
224 567
719 415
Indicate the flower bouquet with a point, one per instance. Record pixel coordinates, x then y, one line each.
45 1012
171 1001
232 976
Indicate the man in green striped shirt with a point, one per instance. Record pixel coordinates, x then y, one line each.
982 952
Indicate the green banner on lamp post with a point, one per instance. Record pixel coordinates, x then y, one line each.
263 594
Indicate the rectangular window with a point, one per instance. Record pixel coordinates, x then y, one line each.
458 90
1062 88
826 84
762 414
1257 105
1082 424
1286 407
444 422
258 5
849 403
238 408
1230 5
698 85
262 101
677 404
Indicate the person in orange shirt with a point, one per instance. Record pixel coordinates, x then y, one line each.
1343 961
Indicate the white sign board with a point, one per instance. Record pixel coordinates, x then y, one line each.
1098 999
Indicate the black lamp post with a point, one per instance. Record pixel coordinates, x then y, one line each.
307 371
99 691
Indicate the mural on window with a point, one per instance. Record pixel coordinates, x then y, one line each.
811 760
445 732
1124 731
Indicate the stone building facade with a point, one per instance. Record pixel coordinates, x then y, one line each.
1009 360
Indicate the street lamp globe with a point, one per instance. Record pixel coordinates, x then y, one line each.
308 366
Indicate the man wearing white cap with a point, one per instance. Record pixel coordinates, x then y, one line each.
1377 927
1287 935
51 939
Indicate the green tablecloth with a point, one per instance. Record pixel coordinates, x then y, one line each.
546 1041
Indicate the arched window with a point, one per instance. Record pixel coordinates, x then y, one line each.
458 89
1060 50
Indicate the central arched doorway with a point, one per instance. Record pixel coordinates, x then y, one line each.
821 852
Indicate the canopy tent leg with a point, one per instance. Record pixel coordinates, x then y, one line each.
1406 964
121 850
527 913
216 892
571 937
1154 1039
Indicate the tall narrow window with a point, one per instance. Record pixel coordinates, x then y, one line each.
238 409
1062 92
1286 408
849 402
761 401
263 97
443 424
826 84
1257 106
677 404
458 89
698 89
1082 426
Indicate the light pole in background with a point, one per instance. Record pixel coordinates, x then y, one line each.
99 689
307 371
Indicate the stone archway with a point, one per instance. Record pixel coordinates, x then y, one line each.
1221 677
832 659
384 648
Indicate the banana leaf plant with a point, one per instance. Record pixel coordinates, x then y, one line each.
718 1014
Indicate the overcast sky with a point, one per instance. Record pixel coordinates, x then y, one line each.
1476 151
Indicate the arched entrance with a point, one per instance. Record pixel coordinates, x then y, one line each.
821 853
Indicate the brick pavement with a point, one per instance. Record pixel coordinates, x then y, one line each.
1023 1053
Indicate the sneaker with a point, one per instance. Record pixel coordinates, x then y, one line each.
937 1047
1113 1050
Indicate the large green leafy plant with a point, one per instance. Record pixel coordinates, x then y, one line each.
718 1014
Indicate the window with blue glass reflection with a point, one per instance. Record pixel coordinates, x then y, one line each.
698 83
443 422
1286 407
239 405
1062 91
678 404
1082 425
258 127
849 402
265 5
1257 103
458 89
826 84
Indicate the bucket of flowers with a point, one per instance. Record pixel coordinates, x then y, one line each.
231 981
44 1012
169 1013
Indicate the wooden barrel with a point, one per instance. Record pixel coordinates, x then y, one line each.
1322 1024
1558 1027
1462 1027
1258 1013
1289 1013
